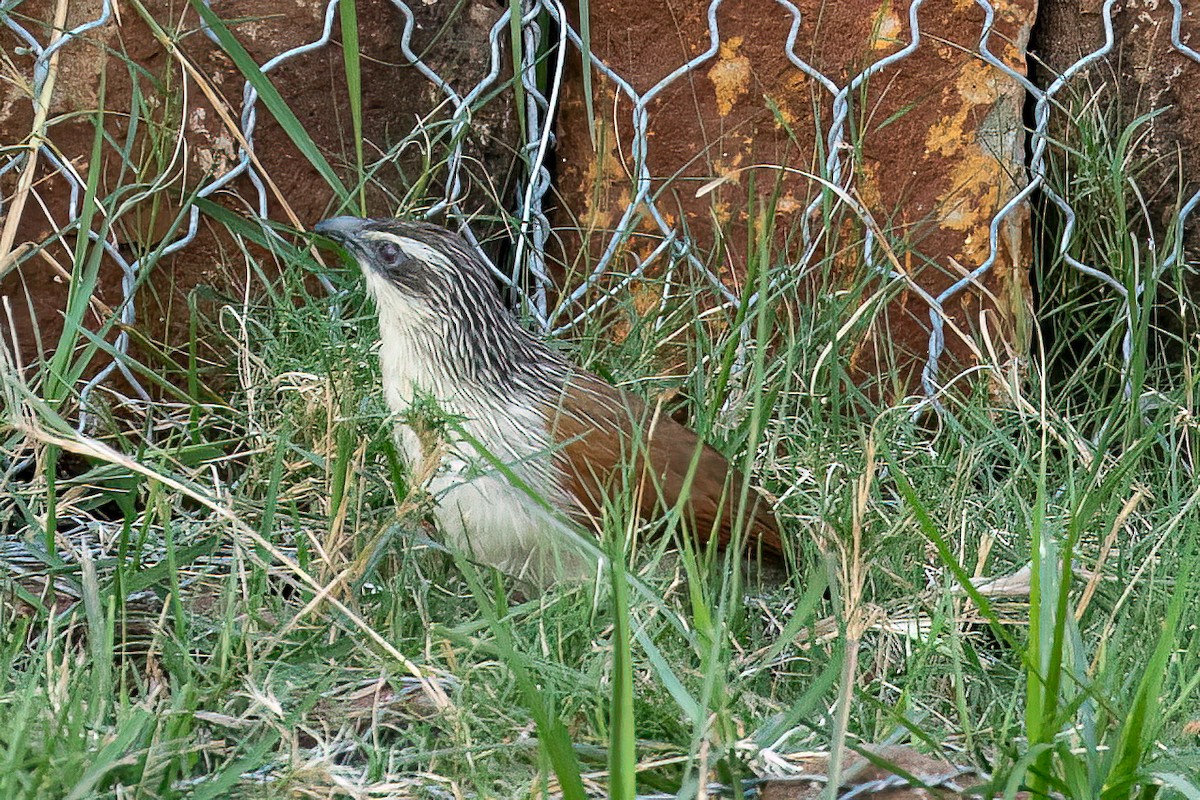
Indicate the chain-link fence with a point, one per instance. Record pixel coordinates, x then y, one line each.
541 76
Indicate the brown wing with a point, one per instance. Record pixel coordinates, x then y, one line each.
600 431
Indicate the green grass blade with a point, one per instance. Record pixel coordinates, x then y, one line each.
111 755
553 736
585 37
516 43
84 277
946 554
1188 787
622 756
1144 714
351 58
271 98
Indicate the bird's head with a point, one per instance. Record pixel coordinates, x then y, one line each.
434 291
426 265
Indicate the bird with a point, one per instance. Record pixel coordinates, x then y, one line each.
525 447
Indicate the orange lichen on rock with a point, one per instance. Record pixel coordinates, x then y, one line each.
730 75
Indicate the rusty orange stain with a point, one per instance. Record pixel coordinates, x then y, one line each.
975 86
867 184
728 169
885 33
978 176
976 82
788 204
783 115
601 177
945 136
730 75
720 211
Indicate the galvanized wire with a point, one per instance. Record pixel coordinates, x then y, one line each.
528 275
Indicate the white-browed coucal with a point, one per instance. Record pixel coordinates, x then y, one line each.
522 424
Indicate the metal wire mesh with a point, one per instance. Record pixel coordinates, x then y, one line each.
529 275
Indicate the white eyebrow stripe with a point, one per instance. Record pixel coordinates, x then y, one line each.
410 247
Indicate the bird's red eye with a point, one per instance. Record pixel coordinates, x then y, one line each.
389 253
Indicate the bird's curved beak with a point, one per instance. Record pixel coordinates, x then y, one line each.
342 230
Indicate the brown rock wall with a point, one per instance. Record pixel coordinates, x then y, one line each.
1144 73
934 145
